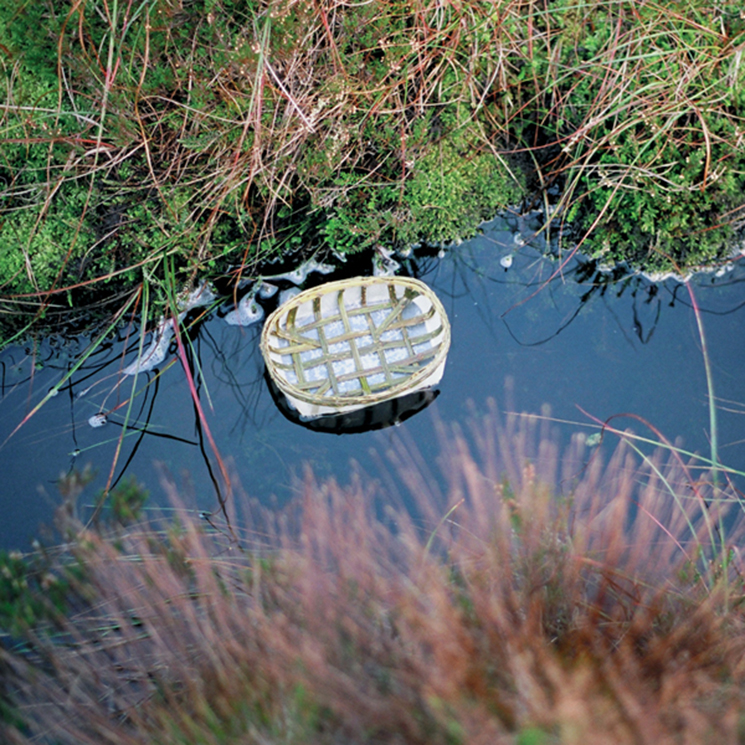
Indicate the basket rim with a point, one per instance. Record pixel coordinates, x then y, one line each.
408 383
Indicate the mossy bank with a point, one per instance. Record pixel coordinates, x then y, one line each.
158 141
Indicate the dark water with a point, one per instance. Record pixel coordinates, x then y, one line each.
579 344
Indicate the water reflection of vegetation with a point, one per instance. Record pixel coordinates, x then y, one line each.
555 293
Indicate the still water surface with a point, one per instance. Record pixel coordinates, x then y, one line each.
579 344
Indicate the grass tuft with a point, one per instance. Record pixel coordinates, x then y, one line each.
226 133
531 598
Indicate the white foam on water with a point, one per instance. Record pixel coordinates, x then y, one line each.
322 268
333 329
267 290
419 330
298 275
394 335
156 352
318 372
98 420
201 296
247 312
350 386
311 354
358 323
412 310
384 265
378 317
288 294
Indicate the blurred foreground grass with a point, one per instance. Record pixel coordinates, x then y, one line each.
539 598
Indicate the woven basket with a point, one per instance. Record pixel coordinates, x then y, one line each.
356 342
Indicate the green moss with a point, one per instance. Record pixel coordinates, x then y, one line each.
456 186
452 186
29 33
534 736
38 253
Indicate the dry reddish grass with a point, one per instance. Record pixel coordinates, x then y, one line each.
556 601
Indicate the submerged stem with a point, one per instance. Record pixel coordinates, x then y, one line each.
709 389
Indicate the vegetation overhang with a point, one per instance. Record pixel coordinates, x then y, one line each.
155 141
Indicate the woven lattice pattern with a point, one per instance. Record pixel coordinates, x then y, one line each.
361 339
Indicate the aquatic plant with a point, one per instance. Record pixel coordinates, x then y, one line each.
534 599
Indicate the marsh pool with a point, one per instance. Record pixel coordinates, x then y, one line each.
533 333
